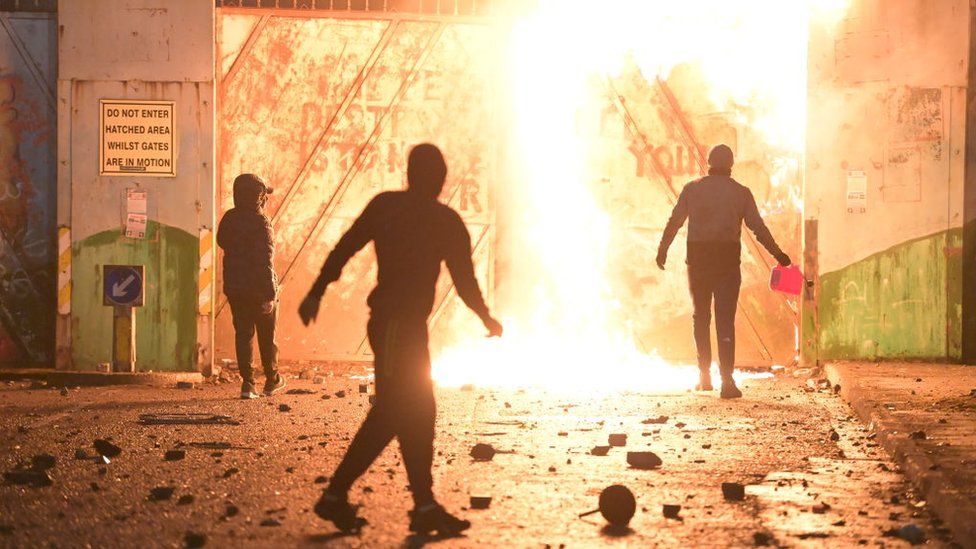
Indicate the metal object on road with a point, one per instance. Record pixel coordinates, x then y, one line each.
186 419
122 289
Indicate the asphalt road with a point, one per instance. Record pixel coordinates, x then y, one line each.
253 484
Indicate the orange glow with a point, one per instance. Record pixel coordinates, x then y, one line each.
567 331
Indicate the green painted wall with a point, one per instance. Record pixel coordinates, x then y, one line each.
901 303
166 336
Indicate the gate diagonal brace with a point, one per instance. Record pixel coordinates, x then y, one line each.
350 175
635 131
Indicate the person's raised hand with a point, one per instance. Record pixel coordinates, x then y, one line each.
494 327
783 260
267 307
309 309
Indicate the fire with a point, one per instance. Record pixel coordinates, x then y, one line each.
567 331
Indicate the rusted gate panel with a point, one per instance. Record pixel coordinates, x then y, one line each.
327 109
654 136
27 186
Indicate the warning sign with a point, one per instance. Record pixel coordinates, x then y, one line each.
137 138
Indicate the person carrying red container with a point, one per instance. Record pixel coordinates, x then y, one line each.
715 207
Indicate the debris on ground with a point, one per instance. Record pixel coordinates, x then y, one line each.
659 420
340 394
480 502
284 408
28 477
616 504
184 385
43 462
363 388
761 539
82 454
483 452
161 493
106 448
186 419
617 439
671 511
299 392
918 435
733 491
193 540
174 455
231 472
185 499
909 532
643 460
599 450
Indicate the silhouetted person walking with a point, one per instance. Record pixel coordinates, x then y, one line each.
715 207
250 282
412 233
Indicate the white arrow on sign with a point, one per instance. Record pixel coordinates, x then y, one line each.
118 289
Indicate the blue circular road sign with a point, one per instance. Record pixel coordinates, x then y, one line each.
123 285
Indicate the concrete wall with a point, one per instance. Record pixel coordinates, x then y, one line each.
887 97
145 50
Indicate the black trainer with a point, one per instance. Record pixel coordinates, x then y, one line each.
248 391
434 517
274 385
704 381
729 390
337 510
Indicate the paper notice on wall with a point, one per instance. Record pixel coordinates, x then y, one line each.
136 201
857 191
135 225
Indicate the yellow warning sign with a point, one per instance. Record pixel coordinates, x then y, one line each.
137 138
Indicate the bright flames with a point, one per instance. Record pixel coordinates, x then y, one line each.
568 332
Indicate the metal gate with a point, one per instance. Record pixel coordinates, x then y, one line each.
326 108
655 135
28 198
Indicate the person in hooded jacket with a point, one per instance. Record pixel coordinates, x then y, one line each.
250 282
413 234
715 207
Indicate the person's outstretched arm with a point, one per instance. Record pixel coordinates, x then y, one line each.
758 227
458 260
678 216
359 234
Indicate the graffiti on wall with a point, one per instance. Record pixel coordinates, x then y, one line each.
27 210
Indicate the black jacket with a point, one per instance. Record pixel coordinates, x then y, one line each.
413 235
715 207
248 243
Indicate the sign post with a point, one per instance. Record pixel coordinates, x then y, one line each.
122 290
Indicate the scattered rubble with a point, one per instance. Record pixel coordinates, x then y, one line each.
671 511
483 452
193 540
161 493
659 420
643 460
106 448
599 450
909 532
733 491
174 455
480 502
617 439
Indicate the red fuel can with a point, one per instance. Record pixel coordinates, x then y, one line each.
788 280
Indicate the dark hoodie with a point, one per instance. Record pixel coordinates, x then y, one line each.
248 243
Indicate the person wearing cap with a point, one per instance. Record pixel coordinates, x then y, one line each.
715 207
250 282
413 233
